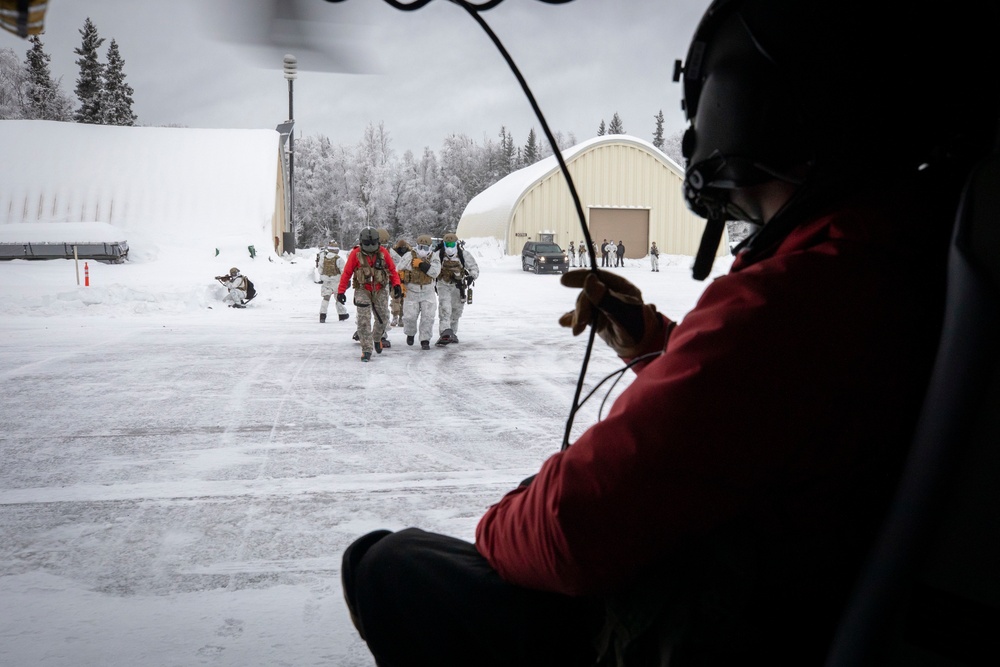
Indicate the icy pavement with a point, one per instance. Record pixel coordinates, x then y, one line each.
178 481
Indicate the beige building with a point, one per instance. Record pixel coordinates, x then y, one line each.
630 192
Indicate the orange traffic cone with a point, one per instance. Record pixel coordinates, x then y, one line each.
86 275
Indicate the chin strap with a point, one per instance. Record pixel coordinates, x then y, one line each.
710 239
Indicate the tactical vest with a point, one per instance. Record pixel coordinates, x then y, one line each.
451 269
368 276
330 266
415 275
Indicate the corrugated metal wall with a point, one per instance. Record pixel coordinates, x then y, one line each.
615 175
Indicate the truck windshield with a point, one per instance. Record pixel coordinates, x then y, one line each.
547 247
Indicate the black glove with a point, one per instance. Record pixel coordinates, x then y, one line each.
424 266
341 297
397 291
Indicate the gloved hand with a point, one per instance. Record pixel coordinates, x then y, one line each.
629 327
415 262
424 266
397 291
341 297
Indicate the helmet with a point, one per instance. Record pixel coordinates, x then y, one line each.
383 236
333 247
784 89
234 271
425 239
368 239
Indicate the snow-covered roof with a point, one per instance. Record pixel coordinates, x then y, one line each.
182 185
489 212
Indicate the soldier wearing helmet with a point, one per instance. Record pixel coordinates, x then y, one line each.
420 267
372 273
721 511
239 289
459 270
400 248
330 265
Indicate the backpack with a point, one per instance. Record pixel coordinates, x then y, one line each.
251 290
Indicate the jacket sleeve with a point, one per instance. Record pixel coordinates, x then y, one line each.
435 262
348 272
710 430
472 266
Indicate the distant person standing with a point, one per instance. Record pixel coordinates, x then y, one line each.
620 253
329 265
654 257
371 271
418 270
584 258
571 254
604 253
458 271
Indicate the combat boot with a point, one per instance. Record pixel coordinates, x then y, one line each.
322 318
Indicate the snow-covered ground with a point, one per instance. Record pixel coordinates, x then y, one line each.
178 479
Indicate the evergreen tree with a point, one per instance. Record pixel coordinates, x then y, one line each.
658 132
117 101
616 126
89 85
508 153
530 153
45 101
601 131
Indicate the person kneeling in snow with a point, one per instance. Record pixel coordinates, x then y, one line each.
240 288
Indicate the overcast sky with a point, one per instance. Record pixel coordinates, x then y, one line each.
427 73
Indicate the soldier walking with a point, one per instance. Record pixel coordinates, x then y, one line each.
418 269
371 272
329 265
458 271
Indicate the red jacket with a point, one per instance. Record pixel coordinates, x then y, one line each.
352 264
779 407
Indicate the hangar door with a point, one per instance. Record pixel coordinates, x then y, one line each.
628 225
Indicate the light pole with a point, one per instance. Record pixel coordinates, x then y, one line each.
291 65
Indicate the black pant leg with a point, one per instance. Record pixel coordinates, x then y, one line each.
421 598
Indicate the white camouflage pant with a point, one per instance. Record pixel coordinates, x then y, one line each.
450 307
328 289
418 310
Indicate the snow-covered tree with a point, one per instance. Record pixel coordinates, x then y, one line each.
369 181
44 99
616 127
672 147
601 129
658 131
117 101
13 85
89 84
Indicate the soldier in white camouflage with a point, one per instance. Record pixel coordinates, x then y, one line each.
329 266
458 270
417 270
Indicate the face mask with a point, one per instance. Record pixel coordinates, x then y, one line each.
451 251
422 250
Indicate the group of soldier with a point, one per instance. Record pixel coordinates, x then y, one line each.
402 285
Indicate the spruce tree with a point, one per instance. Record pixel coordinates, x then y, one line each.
89 85
616 126
658 132
44 99
531 148
601 130
117 102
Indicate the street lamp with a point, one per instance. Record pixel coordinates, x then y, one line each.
291 65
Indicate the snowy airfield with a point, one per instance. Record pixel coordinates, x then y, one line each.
178 479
